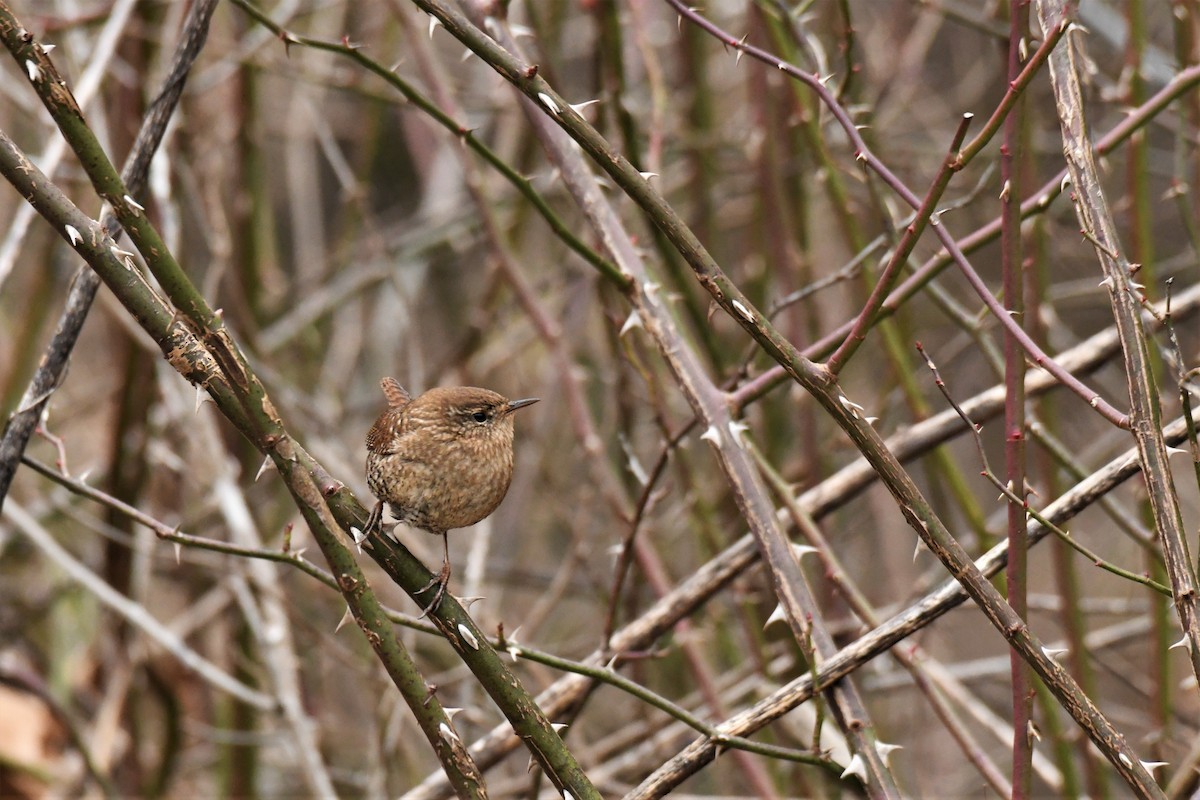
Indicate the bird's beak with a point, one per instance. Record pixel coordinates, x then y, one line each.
513 405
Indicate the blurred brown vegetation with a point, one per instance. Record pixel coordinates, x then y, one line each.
333 224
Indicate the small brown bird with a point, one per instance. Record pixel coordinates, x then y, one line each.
443 460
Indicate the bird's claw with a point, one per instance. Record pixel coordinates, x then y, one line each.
441 580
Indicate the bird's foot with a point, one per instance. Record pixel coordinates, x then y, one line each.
441 580
374 519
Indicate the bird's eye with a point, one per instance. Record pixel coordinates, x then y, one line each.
480 417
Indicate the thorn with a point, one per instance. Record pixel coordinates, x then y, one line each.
885 750
856 767
433 23
1183 642
267 464
510 645
801 550
346 617
650 288
33 70
446 733
129 201
1107 283
737 431
549 103
776 616
1150 766
712 435
199 397
646 176
468 636
451 712
74 235
634 320
854 408
178 552
579 107
741 309
1053 653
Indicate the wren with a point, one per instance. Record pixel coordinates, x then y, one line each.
441 460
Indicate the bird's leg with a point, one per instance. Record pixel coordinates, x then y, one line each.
440 580
374 519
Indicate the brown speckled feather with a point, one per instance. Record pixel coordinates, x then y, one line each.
442 460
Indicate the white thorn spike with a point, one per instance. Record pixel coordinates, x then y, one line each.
634 320
178 552
33 70
742 311
1054 652
857 768
346 617
1183 642
1150 766
433 23
468 636
74 235
646 176
549 103
129 201
885 750
776 616
712 435
854 408
446 733
267 463
802 550
579 107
